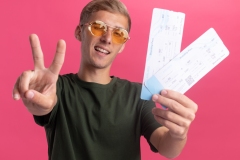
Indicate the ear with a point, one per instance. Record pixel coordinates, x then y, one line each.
121 49
78 33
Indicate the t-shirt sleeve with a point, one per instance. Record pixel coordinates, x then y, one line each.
148 123
47 119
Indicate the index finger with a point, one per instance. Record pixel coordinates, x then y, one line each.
36 52
58 60
180 98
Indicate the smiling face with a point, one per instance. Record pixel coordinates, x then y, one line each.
98 52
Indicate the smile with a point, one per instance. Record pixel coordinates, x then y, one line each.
101 50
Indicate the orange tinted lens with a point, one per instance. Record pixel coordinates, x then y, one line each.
119 35
98 29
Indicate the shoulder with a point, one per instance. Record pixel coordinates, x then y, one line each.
66 81
131 90
127 83
67 78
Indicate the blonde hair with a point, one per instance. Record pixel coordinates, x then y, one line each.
113 6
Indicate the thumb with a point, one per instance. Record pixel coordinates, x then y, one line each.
40 99
29 94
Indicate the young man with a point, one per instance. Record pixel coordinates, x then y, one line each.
92 115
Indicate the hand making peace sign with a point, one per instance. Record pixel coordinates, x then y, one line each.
37 87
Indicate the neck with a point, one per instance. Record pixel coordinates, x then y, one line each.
101 76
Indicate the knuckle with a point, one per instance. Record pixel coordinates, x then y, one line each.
176 95
185 123
165 123
168 115
37 57
195 107
161 121
22 80
180 131
181 96
25 74
190 116
57 63
174 105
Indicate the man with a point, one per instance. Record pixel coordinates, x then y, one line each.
92 115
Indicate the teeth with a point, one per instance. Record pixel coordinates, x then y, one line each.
101 50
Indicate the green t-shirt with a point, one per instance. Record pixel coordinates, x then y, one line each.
97 122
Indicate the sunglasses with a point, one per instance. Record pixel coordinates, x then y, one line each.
99 28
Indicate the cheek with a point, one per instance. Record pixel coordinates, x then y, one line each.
87 47
85 44
84 47
119 49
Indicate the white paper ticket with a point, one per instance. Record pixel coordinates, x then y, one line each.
188 67
164 42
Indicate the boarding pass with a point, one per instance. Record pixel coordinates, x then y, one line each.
168 68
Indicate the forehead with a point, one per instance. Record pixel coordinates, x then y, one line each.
112 19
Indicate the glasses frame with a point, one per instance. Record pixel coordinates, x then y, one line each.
108 26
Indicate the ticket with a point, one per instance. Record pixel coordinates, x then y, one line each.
188 67
164 43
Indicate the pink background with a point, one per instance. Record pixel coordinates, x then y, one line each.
215 133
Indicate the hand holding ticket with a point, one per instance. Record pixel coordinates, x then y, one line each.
186 68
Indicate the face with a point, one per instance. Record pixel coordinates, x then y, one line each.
100 51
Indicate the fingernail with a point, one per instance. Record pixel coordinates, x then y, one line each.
29 95
163 92
16 96
155 97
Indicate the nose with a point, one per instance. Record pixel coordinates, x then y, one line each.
107 37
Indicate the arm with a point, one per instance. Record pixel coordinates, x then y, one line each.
171 139
37 88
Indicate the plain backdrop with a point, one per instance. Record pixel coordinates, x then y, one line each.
214 134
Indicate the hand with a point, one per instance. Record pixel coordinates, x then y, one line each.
37 87
179 114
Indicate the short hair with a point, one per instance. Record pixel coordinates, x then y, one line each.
112 6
